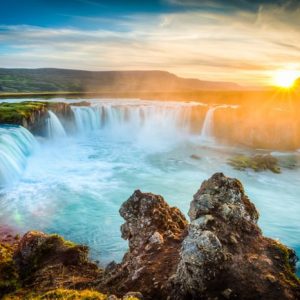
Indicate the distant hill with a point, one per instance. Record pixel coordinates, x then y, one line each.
63 80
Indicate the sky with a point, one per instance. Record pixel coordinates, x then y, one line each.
243 41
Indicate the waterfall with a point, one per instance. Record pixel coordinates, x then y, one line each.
55 128
208 123
133 119
87 118
207 131
16 145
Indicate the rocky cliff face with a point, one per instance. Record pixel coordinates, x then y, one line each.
220 254
33 115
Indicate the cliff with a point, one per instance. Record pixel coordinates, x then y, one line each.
33 115
220 254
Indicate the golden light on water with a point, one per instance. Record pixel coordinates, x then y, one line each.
285 78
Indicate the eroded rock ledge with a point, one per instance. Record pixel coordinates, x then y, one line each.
220 254
33 115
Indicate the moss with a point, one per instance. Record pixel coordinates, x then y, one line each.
50 249
63 294
71 295
289 260
14 113
9 280
60 239
257 163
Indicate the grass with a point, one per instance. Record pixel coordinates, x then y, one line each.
15 113
9 279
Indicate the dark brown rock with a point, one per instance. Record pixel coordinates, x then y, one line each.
48 261
154 231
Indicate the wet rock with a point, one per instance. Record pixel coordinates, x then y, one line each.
81 103
257 163
195 156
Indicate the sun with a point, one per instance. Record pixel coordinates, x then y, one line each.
285 78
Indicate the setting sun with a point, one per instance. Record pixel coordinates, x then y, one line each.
285 78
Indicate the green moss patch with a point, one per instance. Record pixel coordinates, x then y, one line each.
257 163
9 279
15 113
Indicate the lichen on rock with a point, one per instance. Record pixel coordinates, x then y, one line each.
257 163
224 254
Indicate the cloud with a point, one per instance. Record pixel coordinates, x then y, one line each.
240 47
234 4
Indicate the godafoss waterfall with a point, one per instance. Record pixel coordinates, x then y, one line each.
72 179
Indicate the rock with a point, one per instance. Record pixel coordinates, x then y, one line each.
257 163
9 277
131 295
48 261
221 254
195 156
156 238
148 217
81 103
33 115
154 231
224 254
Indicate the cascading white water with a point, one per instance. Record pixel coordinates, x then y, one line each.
207 131
16 144
148 124
131 119
55 128
208 123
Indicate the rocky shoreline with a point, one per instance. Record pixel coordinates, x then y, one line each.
220 254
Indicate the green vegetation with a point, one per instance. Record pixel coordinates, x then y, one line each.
62 80
15 113
63 294
59 239
257 163
59 294
9 279
288 256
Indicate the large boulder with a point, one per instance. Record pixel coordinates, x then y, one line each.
48 261
221 254
155 232
225 256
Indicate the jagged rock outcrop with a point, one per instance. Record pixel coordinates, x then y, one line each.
225 256
48 261
155 232
33 115
221 254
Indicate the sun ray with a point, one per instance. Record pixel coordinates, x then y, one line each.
285 78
